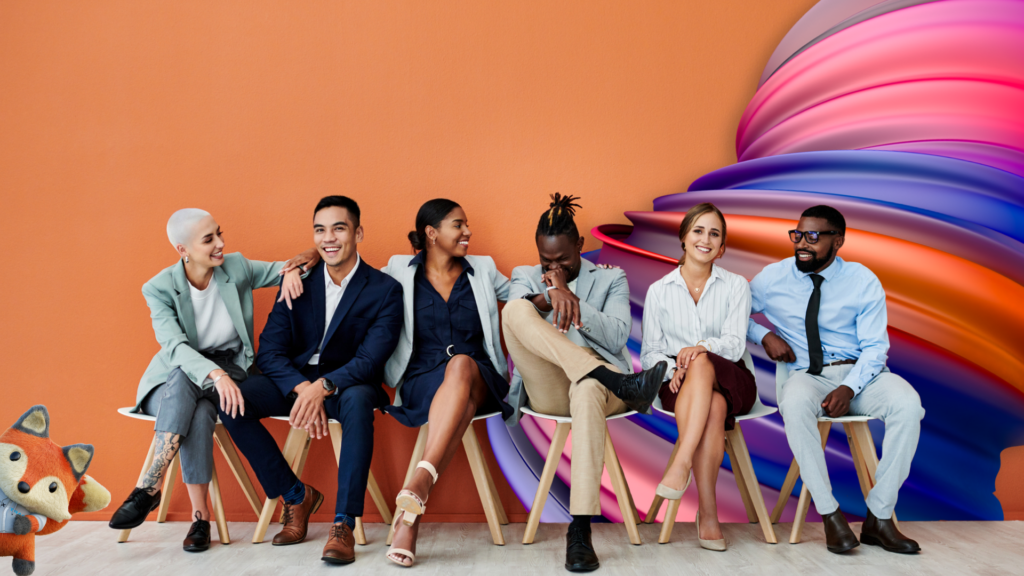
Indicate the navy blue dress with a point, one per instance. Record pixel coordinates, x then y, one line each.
442 330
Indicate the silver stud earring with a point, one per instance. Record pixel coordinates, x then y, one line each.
186 259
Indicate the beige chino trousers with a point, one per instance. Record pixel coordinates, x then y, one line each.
554 371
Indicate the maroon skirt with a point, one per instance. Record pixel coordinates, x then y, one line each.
736 383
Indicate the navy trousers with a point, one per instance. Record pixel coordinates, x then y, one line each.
351 406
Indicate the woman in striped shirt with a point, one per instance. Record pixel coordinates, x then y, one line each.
696 318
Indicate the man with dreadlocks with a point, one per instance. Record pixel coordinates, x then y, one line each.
566 325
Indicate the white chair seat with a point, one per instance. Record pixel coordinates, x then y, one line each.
568 419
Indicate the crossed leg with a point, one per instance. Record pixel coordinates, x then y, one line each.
451 412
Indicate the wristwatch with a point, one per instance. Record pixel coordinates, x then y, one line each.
329 386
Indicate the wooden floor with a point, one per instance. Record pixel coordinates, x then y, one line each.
83 548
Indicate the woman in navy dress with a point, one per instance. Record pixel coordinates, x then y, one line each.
448 367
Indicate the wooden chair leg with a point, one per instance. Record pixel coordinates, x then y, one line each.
786 491
547 476
299 464
296 440
227 449
417 454
804 504
652 512
122 536
611 462
866 447
168 488
748 504
743 464
856 454
479 468
218 509
669 521
502 517
378 498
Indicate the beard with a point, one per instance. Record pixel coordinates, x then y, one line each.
815 262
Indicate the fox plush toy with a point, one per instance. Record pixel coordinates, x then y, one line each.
41 486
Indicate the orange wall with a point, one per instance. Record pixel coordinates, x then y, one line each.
114 114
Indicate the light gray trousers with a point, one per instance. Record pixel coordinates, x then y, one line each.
887 397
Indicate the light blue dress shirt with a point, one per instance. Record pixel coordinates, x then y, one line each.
852 318
9 510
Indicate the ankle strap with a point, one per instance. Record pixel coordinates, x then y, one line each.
429 468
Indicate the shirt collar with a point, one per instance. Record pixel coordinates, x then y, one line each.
716 273
345 281
420 259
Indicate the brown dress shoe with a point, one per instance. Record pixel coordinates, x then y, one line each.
296 518
341 544
839 537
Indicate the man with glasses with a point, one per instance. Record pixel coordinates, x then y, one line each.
830 322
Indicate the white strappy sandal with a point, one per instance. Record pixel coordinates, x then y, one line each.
409 503
403 552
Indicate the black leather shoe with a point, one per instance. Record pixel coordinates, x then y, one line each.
579 551
875 532
638 391
198 538
133 512
839 537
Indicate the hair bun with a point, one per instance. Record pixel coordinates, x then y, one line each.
414 239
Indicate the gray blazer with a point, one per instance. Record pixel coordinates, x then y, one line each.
488 285
604 313
174 322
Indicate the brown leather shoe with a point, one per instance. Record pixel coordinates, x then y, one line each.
341 544
296 518
839 537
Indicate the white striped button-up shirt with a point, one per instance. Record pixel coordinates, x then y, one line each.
672 321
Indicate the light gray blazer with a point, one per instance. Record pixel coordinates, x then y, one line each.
488 285
174 321
604 314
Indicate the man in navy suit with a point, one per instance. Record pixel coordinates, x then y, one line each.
323 358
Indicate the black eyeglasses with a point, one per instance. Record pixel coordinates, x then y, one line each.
812 236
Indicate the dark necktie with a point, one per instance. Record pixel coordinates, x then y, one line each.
811 325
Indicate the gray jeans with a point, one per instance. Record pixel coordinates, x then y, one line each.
887 397
182 407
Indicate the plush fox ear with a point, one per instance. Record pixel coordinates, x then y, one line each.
35 422
79 456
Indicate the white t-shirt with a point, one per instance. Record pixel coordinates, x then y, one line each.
214 328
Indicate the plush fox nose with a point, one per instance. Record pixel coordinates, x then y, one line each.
23 487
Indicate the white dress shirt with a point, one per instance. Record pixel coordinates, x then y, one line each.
214 327
332 297
672 321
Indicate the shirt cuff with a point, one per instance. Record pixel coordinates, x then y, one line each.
756 333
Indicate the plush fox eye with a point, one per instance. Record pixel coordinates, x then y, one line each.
15 456
53 486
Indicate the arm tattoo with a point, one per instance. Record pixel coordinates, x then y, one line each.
167 445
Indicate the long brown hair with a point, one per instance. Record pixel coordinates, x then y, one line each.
691 218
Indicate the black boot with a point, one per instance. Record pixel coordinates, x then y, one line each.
136 507
875 532
579 550
198 538
637 391
839 537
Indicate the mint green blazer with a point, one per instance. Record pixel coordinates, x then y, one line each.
170 307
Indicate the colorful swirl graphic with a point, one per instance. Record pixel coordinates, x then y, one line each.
908 117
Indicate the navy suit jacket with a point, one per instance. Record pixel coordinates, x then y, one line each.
360 338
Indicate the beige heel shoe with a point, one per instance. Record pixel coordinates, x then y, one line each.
716 545
409 503
670 494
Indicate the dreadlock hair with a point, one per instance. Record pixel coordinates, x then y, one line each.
558 219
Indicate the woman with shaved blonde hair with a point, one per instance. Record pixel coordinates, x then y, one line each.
201 308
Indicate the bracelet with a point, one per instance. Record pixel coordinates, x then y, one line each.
219 377
550 288
705 343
